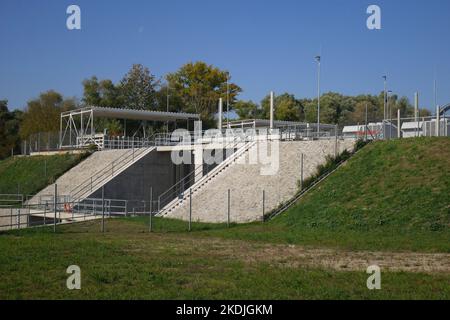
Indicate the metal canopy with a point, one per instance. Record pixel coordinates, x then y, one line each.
117 113
77 126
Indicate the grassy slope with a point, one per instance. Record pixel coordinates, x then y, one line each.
127 263
368 205
391 196
28 173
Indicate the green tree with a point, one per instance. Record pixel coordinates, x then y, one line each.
199 86
138 89
9 130
246 109
43 114
287 108
101 93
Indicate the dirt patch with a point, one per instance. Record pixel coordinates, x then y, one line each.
291 256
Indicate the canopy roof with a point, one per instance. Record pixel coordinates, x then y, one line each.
129 114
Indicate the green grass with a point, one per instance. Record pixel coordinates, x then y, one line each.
391 196
27 175
129 263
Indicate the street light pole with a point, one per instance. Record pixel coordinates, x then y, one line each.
318 94
384 98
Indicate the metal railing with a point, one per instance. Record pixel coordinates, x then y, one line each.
198 176
91 184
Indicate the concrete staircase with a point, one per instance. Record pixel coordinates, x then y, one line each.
91 174
203 182
246 183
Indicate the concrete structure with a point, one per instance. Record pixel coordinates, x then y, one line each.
209 198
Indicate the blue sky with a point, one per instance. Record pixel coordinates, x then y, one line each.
266 45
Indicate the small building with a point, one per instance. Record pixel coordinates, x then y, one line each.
379 130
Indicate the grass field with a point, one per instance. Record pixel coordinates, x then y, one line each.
29 175
389 205
393 195
129 263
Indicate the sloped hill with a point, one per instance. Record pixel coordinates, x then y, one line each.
391 195
28 175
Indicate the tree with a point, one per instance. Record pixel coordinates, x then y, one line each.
101 93
199 86
43 114
9 130
246 109
287 108
138 89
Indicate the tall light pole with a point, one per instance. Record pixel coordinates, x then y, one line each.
388 108
384 98
228 101
318 94
167 106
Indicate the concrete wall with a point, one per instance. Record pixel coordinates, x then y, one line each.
154 170
209 203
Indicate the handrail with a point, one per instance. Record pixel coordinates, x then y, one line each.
219 167
107 172
186 180
300 194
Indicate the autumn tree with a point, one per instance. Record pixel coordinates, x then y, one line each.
43 114
199 86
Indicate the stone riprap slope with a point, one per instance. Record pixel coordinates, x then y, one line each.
80 173
210 204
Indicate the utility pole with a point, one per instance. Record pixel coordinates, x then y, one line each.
318 58
366 128
385 98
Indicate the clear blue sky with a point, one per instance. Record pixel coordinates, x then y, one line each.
266 45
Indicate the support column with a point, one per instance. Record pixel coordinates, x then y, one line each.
399 132
198 151
271 109
416 112
438 121
219 122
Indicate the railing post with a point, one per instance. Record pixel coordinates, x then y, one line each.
55 206
103 209
301 171
151 209
190 209
18 220
228 211
263 204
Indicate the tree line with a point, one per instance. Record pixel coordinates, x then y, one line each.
195 88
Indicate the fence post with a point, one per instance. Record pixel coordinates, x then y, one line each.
151 209
18 220
103 209
263 205
336 141
55 200
190 208
228 211
399 133
11 224
126 208
301 172
45 213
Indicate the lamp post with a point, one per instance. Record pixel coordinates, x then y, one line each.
167 107
384 97
318 94
388 108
